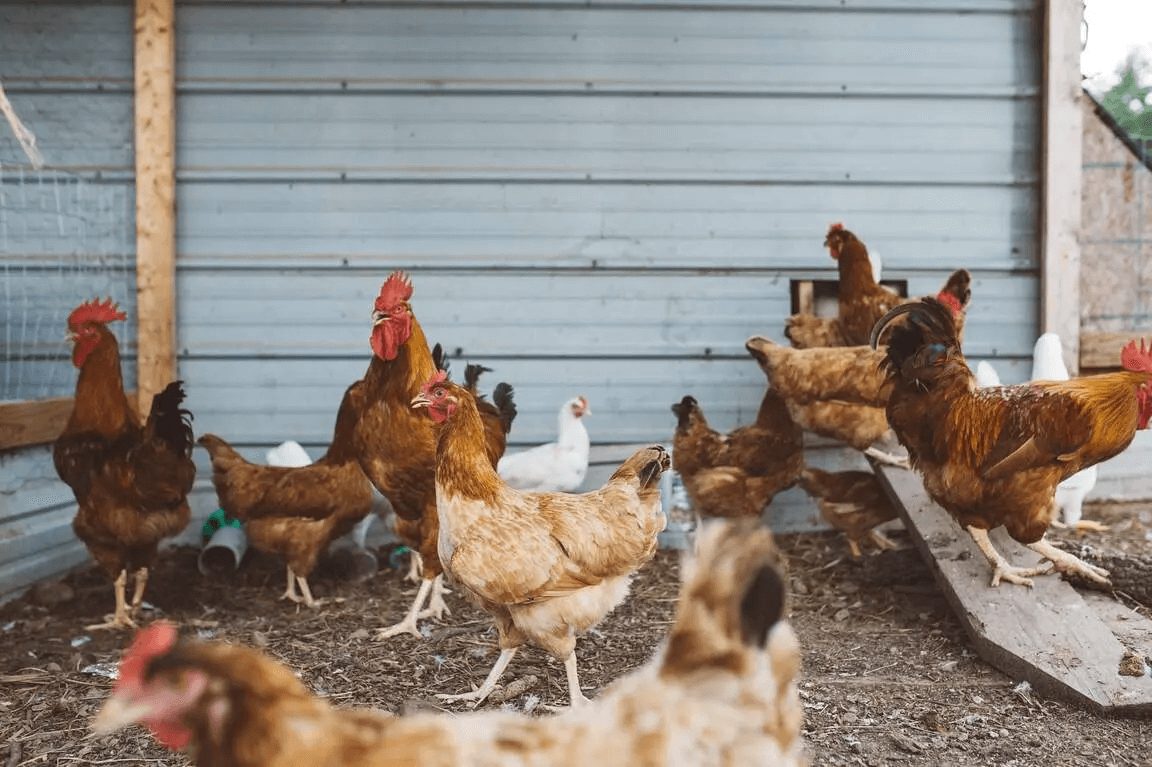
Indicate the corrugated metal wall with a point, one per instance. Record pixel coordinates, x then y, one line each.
597 198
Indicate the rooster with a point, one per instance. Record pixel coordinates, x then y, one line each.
852 502
995 456
546 566
558 466
738 474
722 691
131 482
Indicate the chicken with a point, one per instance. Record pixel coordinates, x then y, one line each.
852 502
545 566
831 392
558 466
131 482
722 691
295 512
738 474
1048 365
994 456
861 299
396 448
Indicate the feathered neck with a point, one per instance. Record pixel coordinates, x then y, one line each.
403 376
462 465
100 403
854 267
571 430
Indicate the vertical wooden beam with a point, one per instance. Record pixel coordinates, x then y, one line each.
155 197
1062 172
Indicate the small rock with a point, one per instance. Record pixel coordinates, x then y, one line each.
977 700
53 668
360 633
907 744
949 665
848 587
798 587
1133 664
51 593
841 615
260 639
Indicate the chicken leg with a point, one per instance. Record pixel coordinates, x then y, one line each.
1067 563
141 581
290 591
476 697
305 593
415 566
1022 576
575 694
437 607
408 625
888 459
121 619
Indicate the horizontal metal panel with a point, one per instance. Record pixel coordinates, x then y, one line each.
515 313
54 44
19 574
84 132
494 137
919 6
596 48
646 225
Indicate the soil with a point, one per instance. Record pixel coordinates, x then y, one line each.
888 674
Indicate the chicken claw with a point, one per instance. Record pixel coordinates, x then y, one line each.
122 618
1067 563
1001 569
437 607
408 625
1083 526
476 697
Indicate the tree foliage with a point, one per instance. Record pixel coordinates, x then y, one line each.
1129 101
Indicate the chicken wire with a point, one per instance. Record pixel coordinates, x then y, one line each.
64 239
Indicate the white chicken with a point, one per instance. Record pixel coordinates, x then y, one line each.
558 466
1048 365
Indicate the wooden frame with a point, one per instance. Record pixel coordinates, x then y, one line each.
155 100
35 422
1062 171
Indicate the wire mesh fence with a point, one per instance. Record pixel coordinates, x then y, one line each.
64 238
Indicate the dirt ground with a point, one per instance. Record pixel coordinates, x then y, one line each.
888 676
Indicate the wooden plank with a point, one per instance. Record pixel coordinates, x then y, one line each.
35 422
1062 172
155 196
1048 635
1102 350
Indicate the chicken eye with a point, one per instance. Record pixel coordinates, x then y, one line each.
440 394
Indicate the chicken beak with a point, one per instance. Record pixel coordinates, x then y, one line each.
118 712
420 400
379 318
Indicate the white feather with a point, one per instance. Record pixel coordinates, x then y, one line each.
986 375
289 454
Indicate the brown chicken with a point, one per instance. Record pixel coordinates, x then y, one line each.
295 512
545 566
994 456
852 502
738 474
861 299
131 482
722 692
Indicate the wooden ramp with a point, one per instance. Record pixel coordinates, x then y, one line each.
1065 644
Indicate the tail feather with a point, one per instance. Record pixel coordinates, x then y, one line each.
502 399
927 336
169 422
472 375
439 359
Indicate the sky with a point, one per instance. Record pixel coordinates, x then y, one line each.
1114 28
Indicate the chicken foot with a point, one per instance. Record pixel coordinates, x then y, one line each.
305 594
1001 569
140 578
408 625
1083 526
888 459
476 697
437 607
1069 563
121 619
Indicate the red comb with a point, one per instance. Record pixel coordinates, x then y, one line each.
150 642
951 301
396 289
1137 360
438 378
95 311
836 227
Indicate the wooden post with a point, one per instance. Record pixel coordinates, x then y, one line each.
155 197
1062 172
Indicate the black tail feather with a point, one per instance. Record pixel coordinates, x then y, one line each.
929 327
170 422
472 375
439 359
502 399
